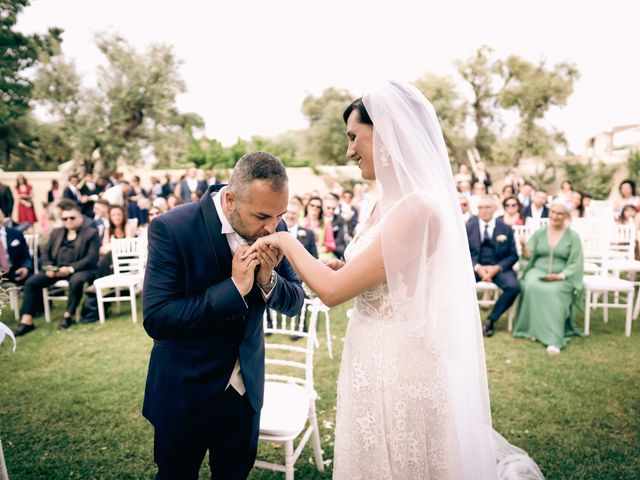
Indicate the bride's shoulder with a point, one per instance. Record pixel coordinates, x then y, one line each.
419 203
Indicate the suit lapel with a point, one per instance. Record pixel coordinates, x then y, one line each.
217 241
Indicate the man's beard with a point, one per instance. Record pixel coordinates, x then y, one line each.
238 225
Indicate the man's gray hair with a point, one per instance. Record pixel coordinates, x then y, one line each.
257 166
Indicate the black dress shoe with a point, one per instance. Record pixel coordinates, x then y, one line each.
85 321
487 331
66 323
23 329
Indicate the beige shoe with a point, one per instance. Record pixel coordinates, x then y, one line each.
553 350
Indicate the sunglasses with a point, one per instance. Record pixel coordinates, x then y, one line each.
330 208
64 219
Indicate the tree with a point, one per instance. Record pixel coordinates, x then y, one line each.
450 109
326 127
531 90
481 73
18 53
132 109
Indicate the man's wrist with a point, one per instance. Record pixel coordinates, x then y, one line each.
270 283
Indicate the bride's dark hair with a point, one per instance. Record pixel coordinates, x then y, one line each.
357 105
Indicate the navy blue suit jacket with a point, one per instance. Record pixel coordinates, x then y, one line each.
198 319
506 252
308 240
527 212
18 252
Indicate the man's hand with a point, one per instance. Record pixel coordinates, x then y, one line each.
243 269
50 274
21 273
63 272
489 271
333 263
269 257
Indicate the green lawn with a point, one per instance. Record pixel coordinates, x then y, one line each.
70 402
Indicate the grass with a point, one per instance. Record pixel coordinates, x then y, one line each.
70 402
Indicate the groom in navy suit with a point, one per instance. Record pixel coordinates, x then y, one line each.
203 306
493 253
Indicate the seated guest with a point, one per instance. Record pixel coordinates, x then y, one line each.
479 191
511 214
306 237
117 194
71 254
551 281
507 191
465 207
481 175
493 253
72 191
537 208
16 262
627 190
349 214
566 189
524 194
576 199
89 192
101 216
323 233
118 227
340 229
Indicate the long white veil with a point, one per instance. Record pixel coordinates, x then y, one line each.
428 265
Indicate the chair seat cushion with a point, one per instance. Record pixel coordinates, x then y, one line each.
481 286
608 283
285 409
117 280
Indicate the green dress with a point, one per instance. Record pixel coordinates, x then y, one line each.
545 308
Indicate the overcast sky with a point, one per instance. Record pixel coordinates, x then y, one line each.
249 64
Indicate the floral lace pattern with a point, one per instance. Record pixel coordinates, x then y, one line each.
393 419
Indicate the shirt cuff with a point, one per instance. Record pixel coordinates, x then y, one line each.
234 283
267 294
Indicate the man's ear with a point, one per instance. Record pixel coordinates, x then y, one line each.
230 199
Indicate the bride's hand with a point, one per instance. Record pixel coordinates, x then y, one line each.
267 241
333 263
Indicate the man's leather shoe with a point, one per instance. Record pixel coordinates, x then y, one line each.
85 321
66 323
23 329
487 331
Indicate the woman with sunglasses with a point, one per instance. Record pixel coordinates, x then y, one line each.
512 209
314 221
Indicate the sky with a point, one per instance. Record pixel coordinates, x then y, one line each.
248 64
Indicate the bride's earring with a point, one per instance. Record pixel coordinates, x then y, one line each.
384 157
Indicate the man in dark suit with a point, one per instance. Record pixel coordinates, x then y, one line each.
72 191
192 188
16 262
538 206
6 200
89 194
71 254
203 306
304 235
493 253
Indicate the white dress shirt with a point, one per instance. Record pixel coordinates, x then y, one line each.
3 239
192 183
536 212
491 224
234 240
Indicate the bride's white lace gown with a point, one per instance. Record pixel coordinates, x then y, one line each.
393 416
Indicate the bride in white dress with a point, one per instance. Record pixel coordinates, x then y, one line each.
413 399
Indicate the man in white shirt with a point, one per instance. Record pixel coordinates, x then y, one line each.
538 207
118 194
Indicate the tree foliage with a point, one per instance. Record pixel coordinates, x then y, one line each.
18 53
589 177
450 109
131 110
326 126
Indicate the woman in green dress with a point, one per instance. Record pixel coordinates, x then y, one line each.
551 281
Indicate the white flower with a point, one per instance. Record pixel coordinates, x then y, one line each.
501 238
302 233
